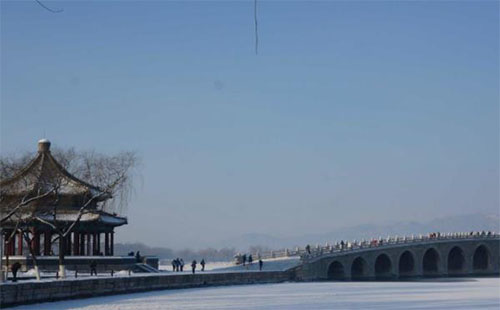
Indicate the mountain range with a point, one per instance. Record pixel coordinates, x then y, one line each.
459 223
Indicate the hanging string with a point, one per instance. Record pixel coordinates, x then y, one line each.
256 28
47 8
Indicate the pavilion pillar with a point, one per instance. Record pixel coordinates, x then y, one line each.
5 243
76 243
94 244
68 245
47 244
112 243
89 253
82 243
20 243
98 243
106 244
10 245
35 242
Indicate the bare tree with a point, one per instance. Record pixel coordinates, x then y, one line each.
42 198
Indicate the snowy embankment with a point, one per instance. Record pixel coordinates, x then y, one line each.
274 264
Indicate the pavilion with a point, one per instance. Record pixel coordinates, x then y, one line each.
91 235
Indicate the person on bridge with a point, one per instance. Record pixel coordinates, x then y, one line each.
181 263
138 256
202 263
308 249
174 265
250 259
193 265
244 259
260 264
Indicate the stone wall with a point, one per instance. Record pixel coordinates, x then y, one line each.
81 263
34 292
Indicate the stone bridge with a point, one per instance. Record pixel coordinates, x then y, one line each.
461 254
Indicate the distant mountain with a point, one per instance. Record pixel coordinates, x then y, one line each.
470 222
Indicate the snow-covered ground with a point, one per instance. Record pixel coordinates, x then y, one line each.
482 293
275 264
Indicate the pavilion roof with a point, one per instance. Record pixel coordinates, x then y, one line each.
41 175
92 217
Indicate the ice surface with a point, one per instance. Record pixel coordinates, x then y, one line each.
482 293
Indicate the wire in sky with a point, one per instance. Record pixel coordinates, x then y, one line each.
256 28
47 8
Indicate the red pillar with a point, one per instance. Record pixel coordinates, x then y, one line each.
35 242
106 244
47 243
68 244
112 245
76 243
20 243
5 243
11 245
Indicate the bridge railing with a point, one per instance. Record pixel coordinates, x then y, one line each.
309 252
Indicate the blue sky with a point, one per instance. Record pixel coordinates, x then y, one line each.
352 112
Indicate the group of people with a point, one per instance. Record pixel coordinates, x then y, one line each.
178 265
193 265
247 260
138 257
342 244
434 235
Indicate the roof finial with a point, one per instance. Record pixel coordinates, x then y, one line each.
43 145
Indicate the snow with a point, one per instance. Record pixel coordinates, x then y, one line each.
275 264
440 294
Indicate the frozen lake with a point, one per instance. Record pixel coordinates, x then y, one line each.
482 293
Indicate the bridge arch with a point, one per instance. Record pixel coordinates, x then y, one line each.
456 260
430 262
406 264
359 268
336 271
383 266
481 258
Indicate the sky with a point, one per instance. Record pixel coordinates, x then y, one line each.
350 113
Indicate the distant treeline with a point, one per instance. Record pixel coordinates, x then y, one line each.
209 254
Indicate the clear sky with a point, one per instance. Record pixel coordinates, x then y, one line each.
352 112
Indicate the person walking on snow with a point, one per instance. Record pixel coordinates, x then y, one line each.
93 267
202 263
15 267
193 265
